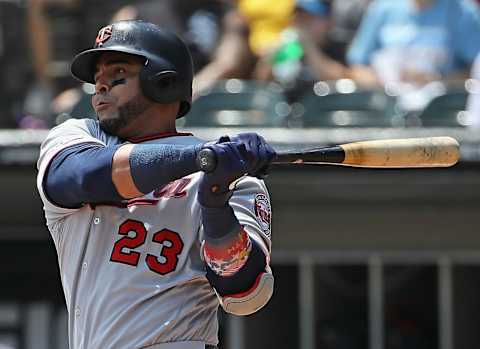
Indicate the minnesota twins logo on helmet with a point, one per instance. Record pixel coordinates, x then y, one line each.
103 35
263 212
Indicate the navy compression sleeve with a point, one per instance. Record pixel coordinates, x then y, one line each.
83 173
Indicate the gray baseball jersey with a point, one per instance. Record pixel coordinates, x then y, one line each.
132 273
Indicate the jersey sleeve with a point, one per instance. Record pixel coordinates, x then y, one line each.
251 204
71 132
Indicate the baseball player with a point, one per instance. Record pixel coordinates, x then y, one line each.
148 246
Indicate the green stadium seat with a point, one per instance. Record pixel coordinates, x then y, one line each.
343 103
238 103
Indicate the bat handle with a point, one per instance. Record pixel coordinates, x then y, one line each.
206 160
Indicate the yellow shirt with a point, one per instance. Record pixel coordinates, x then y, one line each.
267 19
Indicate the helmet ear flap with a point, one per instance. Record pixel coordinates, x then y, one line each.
161 87
165 79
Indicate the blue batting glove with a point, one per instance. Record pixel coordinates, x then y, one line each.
259 153
246 153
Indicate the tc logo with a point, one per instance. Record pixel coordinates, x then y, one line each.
103 35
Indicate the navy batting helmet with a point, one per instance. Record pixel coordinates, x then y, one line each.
167 74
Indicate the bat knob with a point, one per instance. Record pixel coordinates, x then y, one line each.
206 160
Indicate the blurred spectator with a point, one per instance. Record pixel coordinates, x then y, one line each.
251 32
266 19
41 37
346 17
53 28
301 58
233 57
473 104
293 56
407 44
15 63
198 22
312 22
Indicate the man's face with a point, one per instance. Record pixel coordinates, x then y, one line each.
118 99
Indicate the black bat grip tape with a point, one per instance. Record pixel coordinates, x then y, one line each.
206 160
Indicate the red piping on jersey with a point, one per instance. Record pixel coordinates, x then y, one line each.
246 293
125 204
140 202
157 136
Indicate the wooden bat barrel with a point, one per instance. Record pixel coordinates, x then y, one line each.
403 153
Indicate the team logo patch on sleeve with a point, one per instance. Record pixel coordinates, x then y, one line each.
263 212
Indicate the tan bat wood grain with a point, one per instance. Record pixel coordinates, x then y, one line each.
403 153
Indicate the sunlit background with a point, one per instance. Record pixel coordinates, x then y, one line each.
363 259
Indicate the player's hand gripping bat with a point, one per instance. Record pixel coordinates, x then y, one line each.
387 153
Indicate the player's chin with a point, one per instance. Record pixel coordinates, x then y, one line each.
107 112
111 123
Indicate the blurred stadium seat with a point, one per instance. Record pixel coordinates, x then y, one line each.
343 103
448 109
239 103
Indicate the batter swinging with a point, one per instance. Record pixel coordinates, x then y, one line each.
148 246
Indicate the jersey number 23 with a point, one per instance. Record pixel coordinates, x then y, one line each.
124 249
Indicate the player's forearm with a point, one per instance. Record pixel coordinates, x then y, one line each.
237 266
139 169
226 243
234 261
89 173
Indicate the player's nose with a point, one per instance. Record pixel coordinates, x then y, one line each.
101 86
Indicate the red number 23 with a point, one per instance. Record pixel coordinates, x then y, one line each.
124 249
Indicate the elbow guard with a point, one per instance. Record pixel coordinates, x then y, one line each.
252 300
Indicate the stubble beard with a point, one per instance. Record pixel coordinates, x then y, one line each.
125 114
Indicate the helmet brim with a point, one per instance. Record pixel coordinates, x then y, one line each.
83 64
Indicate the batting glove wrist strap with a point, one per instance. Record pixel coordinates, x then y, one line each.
219 224
216 187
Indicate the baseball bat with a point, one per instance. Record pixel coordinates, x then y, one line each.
387 153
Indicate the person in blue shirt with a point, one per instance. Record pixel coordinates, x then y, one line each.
415 42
